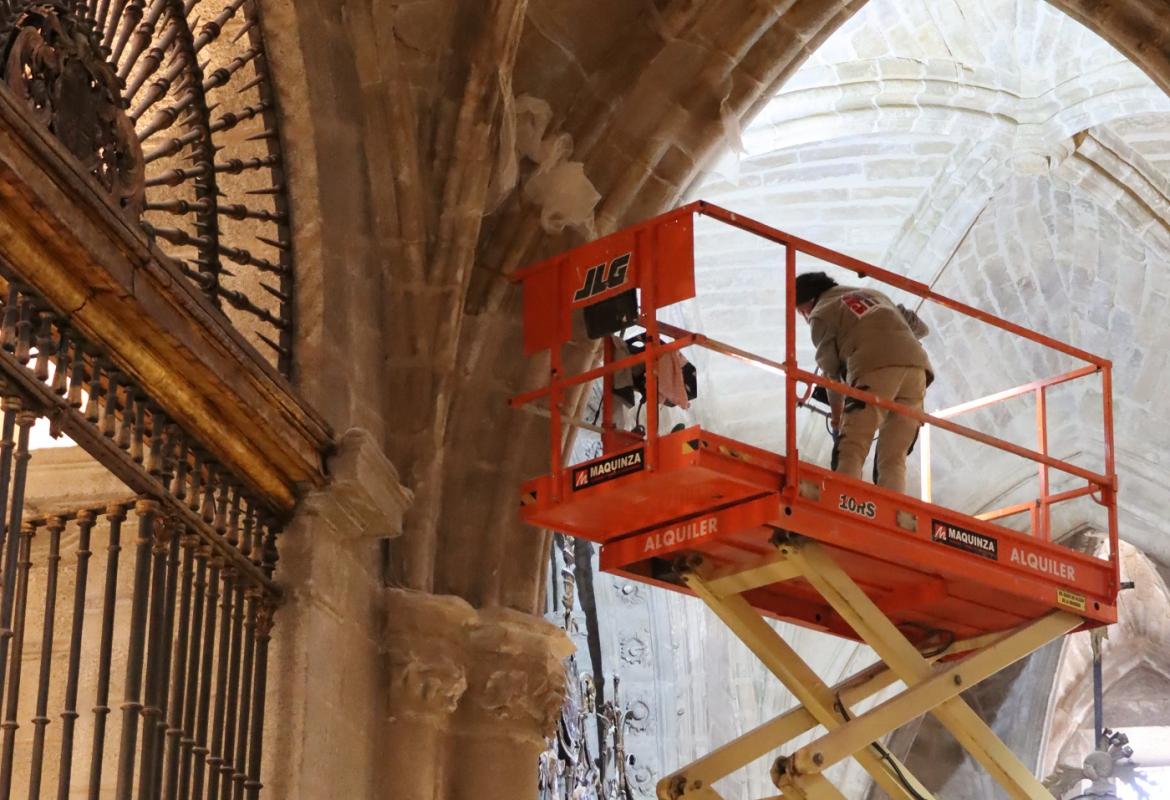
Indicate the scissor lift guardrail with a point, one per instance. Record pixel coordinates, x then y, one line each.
943 597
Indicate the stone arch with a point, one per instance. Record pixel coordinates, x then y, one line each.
401 153
1135 652
646 100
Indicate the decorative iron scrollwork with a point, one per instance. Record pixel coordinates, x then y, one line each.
168 104
587 760
54 63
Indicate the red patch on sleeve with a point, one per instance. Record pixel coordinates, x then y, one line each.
859 304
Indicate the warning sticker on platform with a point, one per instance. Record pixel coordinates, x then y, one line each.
609 468
963 539
1070 599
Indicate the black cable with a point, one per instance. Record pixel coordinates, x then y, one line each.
948 637
885 755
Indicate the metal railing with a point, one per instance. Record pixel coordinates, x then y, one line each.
186 594
175 706
1102 485
180 129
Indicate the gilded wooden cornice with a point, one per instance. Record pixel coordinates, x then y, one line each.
61 235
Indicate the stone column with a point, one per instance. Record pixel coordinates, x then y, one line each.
425 653
473 697
324 725
515 688
380 692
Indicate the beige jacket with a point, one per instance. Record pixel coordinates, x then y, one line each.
857 330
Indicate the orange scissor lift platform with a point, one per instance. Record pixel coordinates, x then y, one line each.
945 598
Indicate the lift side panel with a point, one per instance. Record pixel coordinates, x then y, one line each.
659 251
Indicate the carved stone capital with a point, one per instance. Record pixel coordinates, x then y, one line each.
496 667
516 672
424 642
364 497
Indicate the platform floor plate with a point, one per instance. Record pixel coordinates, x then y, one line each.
933 571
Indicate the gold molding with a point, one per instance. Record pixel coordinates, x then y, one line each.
62 236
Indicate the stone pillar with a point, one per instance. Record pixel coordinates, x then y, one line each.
424 640
324 727
378 692
473 697
516 685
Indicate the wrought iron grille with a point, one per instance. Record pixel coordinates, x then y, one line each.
587 758
168 104
172 628
175 643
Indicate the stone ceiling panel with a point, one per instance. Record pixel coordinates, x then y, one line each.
982 159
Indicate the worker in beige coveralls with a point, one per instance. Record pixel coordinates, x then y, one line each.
865 340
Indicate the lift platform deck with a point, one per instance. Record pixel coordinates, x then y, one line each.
753 533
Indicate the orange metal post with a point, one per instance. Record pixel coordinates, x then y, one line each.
927 469
554 412
1110 495
650 323
607 354
791 475
1042 444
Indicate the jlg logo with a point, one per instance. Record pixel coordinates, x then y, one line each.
603 277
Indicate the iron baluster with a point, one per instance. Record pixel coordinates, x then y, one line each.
11 406
263 636
55 525
126 423
215 755
154 458
60 360
199 750
101 710
14 664
155 650
10 317
247 681
85 522
24 333
109 417
191 693
92 407
196 477
178 486
24 421
207 508
176 706
138 436
44 344
227 749
147 511
76 374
